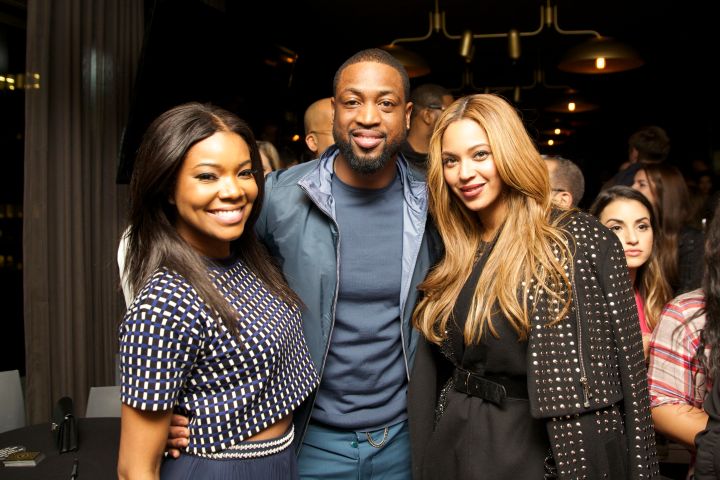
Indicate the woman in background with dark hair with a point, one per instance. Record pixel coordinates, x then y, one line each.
214 332
630 216
682 245
685 354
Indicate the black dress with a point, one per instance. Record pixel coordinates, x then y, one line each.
475 438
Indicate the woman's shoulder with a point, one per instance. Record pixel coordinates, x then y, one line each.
582 226
166 278
164 288
566 218
576 217
682 310
693 299
167 306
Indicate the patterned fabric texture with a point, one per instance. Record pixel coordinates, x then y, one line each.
675 376
176 354
587 372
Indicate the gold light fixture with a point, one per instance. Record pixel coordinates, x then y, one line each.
511 91
466 46
572 103
599 55
514 44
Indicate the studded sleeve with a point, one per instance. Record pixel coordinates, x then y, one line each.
640 434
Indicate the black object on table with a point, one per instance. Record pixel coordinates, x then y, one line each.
96 456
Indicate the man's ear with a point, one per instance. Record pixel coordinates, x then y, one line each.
564 199
428 116
311 143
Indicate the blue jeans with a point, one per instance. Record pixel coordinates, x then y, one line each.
332 454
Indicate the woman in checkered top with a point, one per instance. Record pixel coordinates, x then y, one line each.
685 355
214 332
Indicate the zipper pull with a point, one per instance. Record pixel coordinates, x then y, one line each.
586 391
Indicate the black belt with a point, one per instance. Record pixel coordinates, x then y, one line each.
491 388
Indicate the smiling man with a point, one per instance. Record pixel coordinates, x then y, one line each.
348 230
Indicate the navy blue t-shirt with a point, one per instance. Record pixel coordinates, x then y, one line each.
364 382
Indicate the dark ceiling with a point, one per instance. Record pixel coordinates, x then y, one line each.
233 50
229 52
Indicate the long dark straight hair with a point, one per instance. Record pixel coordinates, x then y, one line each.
153 241
649 279
710 335
671 208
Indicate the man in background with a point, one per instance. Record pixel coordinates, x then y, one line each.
649 144
429 101
566 181
318 126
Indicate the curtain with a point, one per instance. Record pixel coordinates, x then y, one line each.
86 52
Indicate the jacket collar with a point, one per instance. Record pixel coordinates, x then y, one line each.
318 181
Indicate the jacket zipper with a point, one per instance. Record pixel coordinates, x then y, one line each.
332 313
583 372
334 306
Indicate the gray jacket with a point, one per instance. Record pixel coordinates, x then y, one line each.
297 224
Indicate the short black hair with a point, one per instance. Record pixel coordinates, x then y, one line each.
378 56
652 144
427 94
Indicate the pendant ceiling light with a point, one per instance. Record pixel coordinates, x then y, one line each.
572 103
597 56
600 55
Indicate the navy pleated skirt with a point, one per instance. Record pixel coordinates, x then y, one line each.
279 466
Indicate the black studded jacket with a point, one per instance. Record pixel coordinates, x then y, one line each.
586 374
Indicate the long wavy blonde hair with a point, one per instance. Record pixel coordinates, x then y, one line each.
531 252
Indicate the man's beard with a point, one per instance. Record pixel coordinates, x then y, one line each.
366 164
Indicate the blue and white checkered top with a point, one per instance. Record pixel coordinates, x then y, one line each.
176 354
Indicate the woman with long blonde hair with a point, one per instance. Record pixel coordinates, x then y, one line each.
533 363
